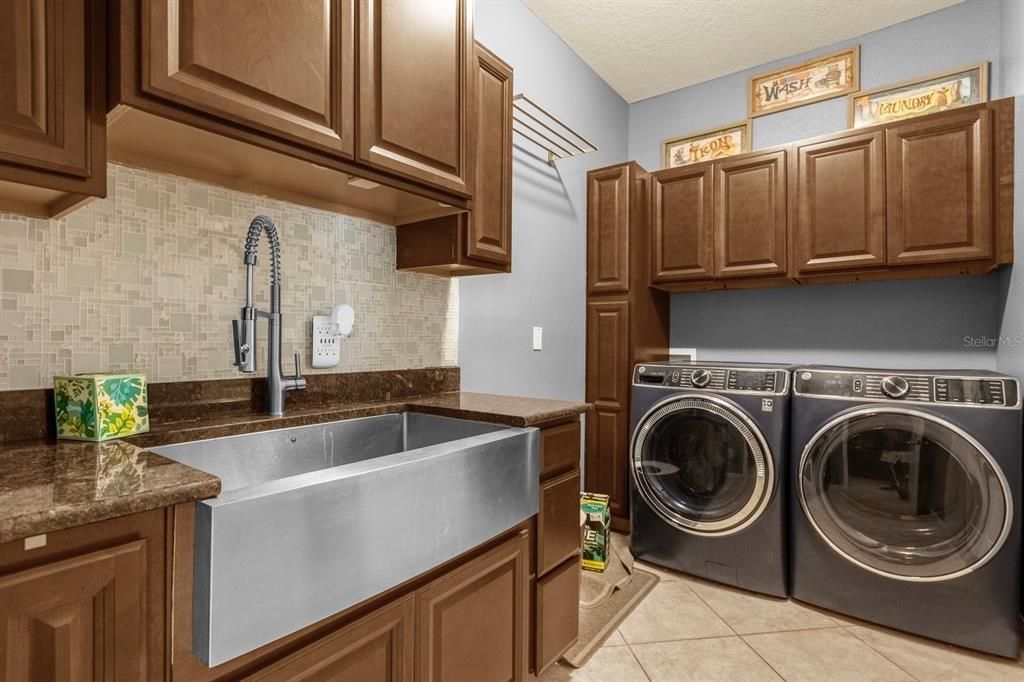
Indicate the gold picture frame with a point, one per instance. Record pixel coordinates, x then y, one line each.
717 142
940 91
827 77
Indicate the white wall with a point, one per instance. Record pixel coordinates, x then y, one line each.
546 287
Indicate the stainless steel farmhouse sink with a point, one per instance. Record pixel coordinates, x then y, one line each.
314 519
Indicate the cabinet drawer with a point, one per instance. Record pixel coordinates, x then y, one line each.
559 448
379 646
558 613
558 523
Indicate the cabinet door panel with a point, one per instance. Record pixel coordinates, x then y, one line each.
940 188
608 352
681 223
379 646
840 204
608 374
416 80
558 613
52 82
750 215
471 623
82 618
286 68
608 230
558 522
559 448
490 224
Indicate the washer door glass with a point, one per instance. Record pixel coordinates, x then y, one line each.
905 494
702 466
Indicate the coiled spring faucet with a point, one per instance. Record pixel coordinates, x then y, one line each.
244 330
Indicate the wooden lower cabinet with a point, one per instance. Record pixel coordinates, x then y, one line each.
89 605
379 647
472 624
558 612
111 600
557 556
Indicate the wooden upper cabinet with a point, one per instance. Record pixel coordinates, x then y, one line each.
608 218
416 83
490 224
750 215
939 180
681 224
839 220
82 618
472 624
52 99
285 68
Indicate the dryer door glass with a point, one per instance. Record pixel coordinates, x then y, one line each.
905 494
702 465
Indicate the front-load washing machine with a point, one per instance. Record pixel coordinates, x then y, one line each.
907 498
708 469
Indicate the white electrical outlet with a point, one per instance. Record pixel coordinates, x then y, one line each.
328 331
538 338
326 343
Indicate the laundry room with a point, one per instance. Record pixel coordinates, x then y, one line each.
512 340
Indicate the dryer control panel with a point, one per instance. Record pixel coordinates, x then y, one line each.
713 378
907 387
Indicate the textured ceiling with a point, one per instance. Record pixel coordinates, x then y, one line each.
644 48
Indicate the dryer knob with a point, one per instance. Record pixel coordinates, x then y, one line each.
895 386
700 378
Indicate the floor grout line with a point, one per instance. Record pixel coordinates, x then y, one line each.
637 659
882 654
766 661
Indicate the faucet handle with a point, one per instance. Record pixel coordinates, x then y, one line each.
297 382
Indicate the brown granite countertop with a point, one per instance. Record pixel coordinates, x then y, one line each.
45 487
500 409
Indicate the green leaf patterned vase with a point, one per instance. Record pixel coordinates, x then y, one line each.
99 407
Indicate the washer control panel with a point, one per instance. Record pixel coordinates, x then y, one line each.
745 380
913 388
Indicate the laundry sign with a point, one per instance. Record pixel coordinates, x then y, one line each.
938 92
811 81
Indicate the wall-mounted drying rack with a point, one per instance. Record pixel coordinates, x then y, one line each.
534 123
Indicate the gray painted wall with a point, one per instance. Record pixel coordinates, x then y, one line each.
963 34
899 324
546 287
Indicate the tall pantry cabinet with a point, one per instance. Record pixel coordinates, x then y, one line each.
627 322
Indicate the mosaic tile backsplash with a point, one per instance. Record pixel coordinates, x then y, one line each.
149 279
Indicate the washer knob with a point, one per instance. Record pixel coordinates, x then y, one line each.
895 386
700 378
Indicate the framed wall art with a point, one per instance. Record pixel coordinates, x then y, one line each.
938 92
818 79
706 145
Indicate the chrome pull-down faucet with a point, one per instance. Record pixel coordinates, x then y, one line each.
244 329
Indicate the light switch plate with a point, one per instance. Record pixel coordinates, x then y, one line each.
538 338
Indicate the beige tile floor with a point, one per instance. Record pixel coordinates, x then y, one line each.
689 629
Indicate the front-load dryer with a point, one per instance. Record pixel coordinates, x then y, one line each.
907 498
708 468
